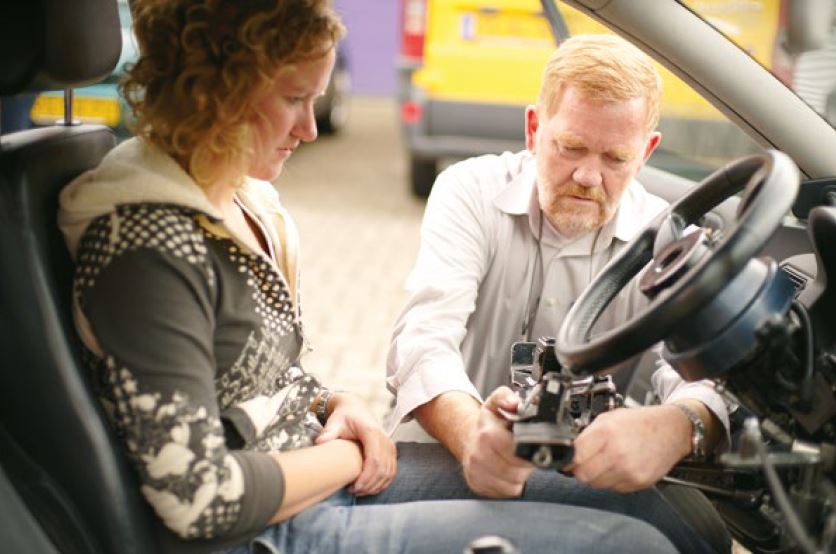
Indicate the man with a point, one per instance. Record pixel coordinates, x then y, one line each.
507 244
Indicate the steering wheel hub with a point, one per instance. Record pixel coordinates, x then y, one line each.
672 262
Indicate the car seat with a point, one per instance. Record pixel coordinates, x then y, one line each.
58 457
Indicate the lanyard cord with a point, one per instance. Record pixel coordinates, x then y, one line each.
533 309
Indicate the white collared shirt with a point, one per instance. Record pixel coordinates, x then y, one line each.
476 278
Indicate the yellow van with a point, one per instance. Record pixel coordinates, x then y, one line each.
469 67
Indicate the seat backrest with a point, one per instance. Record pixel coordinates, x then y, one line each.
21 532
55 447
66 465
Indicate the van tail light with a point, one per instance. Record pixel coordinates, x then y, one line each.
411 112
413 27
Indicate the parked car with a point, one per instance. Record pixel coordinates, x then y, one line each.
101 103
468 69
331 109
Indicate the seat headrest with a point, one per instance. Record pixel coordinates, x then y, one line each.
56 44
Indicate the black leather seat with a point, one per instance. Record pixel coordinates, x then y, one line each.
56 450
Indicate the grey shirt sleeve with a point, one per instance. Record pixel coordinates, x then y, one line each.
152 313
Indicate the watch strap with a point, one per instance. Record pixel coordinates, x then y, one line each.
321 411
697 431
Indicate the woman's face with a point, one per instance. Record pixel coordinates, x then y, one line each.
284 117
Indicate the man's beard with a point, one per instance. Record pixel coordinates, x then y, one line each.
572 220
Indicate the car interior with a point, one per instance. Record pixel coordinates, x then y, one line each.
65 485
744 92
794 237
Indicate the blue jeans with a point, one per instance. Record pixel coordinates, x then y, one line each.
427 471
428 508
339 524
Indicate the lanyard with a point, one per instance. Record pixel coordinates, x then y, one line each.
537 273
538 279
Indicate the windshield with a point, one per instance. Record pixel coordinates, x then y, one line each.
794 40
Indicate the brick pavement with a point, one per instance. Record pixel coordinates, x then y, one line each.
359 231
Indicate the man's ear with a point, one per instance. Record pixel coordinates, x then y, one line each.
531 125
652 143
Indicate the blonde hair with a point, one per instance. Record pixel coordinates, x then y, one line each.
606 68
202 64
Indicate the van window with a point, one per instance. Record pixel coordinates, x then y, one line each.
469 68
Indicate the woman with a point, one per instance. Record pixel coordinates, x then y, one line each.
186 298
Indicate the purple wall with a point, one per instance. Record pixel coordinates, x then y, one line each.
372 43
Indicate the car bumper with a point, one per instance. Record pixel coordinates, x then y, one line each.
97 104
461 129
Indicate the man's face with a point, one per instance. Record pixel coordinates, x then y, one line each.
587 153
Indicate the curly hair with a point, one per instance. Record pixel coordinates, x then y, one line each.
607 68
203 63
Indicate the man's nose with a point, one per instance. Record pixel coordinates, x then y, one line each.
588 174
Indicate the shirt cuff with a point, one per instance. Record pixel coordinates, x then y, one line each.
422 386
704 392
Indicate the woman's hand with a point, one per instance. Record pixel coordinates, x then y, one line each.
350 419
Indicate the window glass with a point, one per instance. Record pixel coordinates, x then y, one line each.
696 137
794 40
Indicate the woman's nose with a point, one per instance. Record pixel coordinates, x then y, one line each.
305 128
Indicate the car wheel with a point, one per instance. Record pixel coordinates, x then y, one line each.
422 176
335 112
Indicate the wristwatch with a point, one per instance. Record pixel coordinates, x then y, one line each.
697 432
322 404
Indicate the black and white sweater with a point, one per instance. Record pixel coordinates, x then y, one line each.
193 339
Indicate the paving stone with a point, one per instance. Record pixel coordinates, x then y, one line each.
358 223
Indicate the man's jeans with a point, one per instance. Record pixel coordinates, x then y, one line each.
428 471
428 508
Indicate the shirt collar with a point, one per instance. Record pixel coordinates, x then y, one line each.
624 225
515 198
520 198
630 218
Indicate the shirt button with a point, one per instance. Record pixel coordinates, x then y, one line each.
550 302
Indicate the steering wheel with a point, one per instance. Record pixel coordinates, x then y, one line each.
685 272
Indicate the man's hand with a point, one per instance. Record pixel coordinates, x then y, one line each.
630 449
490 466
350 419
